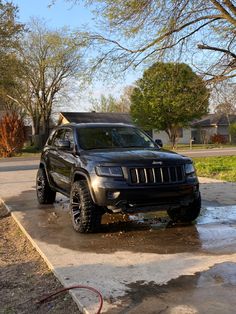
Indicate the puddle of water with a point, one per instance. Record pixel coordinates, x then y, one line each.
214 231
62 203
217 229
218 214
212 291
156 220
209 215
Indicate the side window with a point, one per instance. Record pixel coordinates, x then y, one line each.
69 137
58 136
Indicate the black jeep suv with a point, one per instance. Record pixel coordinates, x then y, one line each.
114 167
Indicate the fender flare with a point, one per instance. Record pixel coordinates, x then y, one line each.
86 176
42 165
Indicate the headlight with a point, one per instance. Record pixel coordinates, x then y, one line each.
189 169
105 171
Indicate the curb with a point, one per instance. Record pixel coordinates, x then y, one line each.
71 292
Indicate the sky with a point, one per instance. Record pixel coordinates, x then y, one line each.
61 14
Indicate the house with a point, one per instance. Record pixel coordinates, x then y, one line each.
201 130
185 136
211 124
85 117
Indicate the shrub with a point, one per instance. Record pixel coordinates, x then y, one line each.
218 139
12 134
232 129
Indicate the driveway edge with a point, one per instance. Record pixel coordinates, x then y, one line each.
81 307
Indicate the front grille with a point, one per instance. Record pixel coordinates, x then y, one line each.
156 175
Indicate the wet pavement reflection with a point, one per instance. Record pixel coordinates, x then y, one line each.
208 292
214 231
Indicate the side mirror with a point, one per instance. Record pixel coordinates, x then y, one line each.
159 142
63 144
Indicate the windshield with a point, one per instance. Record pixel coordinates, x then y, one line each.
112 137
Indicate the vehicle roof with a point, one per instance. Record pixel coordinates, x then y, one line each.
94 125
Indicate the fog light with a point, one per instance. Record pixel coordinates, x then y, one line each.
113 195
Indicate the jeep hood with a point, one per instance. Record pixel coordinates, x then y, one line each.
133 156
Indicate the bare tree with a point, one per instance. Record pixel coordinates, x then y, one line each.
143 31
51 59
125 99
226 96
111 104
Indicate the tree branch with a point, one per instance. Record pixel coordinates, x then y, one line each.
230 5
225 13
203 46
176 43
160 38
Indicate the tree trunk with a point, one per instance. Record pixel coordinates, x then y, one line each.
172 133
35 131
230 137
45 128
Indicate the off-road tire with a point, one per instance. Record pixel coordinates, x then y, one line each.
186 213
85 215
45 194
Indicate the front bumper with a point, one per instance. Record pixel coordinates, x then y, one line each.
132 198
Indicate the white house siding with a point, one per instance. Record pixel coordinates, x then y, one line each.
165 139
223 130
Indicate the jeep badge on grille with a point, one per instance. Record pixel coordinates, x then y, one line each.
157 162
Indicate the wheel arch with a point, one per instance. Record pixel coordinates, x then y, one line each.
81 175
42 165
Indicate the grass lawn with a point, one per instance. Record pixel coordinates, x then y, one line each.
26 154
28 151
223 168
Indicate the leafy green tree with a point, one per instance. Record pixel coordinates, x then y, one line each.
168 96
10 32
10 29
232 131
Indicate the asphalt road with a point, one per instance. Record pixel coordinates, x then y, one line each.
141 264
209 152
33 161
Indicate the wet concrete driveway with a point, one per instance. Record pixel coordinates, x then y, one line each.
142 263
